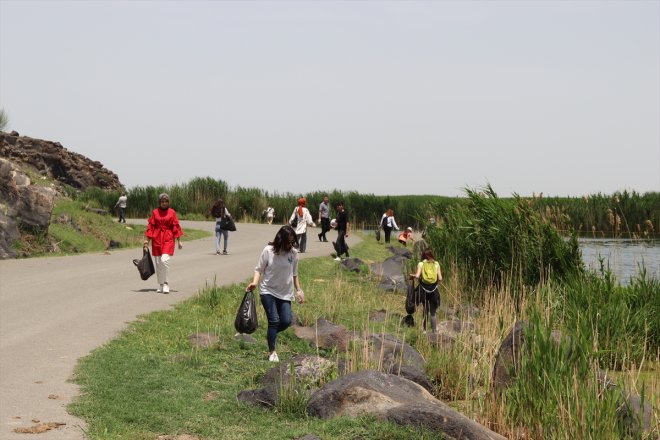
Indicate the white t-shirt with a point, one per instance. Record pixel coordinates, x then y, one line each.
277 272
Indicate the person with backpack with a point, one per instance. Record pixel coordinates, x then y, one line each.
429 276
388 223
299 220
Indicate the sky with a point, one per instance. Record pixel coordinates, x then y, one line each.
378 97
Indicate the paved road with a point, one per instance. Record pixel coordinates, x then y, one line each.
55 310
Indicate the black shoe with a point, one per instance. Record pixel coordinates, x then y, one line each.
325 240
320 237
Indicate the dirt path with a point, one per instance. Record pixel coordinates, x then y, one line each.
55 310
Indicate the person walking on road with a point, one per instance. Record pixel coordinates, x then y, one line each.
388 223
324 218
302 218
163 229
270 213
219 211
277 268
121 203
343 229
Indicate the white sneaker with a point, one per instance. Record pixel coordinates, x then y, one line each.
273 357
338 259
160 289
166 288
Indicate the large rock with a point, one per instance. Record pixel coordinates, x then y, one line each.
307 371
326 335
392 398
52 160
22 205
25 206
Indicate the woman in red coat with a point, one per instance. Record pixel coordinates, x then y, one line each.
162 229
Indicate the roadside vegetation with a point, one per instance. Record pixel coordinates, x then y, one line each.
622 214
507 264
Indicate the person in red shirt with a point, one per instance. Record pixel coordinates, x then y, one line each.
406 235
163 229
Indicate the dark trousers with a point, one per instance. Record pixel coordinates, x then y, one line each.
325 227
122 212
342 247
278 313
302 241
388 233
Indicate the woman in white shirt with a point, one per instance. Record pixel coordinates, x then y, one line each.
303 217
277 268
388 223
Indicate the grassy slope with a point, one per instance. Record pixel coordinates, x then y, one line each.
74 230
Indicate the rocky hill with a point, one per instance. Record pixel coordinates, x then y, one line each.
25 206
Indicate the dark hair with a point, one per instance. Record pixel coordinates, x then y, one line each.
427 254
284 240
218 209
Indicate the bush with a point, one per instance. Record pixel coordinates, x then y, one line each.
497 240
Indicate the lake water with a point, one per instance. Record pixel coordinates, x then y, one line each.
623 255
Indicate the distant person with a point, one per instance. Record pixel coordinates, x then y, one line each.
388 223
324 218
343 229
303 218
406 236
162 229
270 213
219 211
429 276
277 268
121 203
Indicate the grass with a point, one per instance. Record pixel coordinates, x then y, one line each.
150 381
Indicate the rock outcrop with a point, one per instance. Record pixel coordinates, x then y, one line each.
55 162
25 206
21 204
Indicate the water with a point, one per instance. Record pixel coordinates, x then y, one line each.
623 255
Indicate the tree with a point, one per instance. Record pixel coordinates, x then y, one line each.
4 120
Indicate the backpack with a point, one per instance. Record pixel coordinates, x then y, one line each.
429 272
383 222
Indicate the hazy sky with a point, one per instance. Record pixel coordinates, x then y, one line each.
383 97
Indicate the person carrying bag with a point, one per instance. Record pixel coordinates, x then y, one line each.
429 276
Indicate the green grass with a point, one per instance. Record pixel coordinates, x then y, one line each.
151 381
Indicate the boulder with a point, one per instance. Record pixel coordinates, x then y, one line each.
392 398
308 371
397 357
324 334
352 264
23 205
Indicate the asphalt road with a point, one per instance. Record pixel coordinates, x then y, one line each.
55 310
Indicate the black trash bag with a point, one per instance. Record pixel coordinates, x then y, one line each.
411 298
227 224
408 321
246 317
377 234
145 265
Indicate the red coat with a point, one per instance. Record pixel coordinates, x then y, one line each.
163 228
